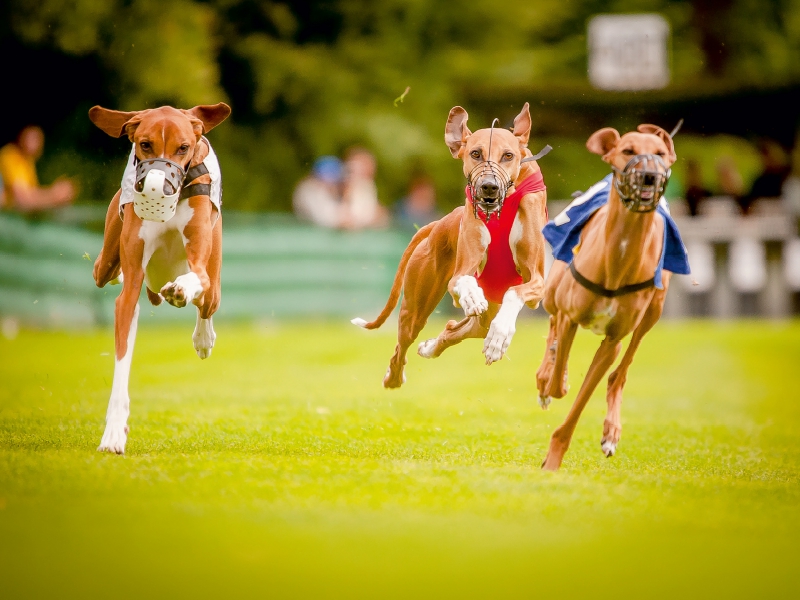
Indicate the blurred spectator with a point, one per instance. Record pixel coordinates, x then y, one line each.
775 170
18 171
695 192
317 198
360 195
730 181
418 208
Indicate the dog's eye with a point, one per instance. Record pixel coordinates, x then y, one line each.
660 153
144 146
183 149
476 154
627 152
508 156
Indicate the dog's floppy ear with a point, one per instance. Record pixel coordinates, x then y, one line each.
456 131
603 141
522 125
656 130
207 116
113 122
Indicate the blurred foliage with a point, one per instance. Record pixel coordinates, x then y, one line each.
308 78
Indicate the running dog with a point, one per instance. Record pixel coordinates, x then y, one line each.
163 229
616 248
489 253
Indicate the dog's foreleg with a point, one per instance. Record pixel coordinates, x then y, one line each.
527 246
503 327
560 440
126 316
473 240
203 336
116 432
612 425
198 240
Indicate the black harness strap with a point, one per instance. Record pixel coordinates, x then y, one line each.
605 292
196 189
195 172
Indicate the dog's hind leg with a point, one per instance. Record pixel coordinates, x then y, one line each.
424 286
126 315
612 426
546 368
457 331
565 334
107 265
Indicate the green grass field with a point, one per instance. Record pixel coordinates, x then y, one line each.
281 468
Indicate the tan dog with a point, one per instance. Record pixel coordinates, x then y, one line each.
179 260
611 289
453 254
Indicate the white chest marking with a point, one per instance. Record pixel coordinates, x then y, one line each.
486 239
601 318
165 247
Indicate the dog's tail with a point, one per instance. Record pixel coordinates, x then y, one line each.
397 286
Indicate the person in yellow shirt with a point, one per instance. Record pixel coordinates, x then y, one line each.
18 174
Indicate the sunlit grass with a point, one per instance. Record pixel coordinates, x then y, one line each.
280 467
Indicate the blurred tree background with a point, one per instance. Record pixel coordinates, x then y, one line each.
306 78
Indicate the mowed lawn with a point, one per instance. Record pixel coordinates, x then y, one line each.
280 467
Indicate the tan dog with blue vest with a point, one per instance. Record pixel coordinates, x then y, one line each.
163 229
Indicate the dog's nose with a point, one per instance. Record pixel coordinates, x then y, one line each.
489 189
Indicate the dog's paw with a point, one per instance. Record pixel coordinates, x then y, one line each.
498 340
114 437
359 322
544 402
204 338
186 288
392 380
470 296
608 447
427 348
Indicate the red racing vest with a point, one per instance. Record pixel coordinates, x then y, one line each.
500 273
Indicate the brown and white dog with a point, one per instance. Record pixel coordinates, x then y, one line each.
460 254
175 247
609 286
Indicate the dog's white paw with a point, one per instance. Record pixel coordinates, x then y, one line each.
114 437
609 448
186 288
426 348
359 322
498 340
544 401
203 338
117 280
470 296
